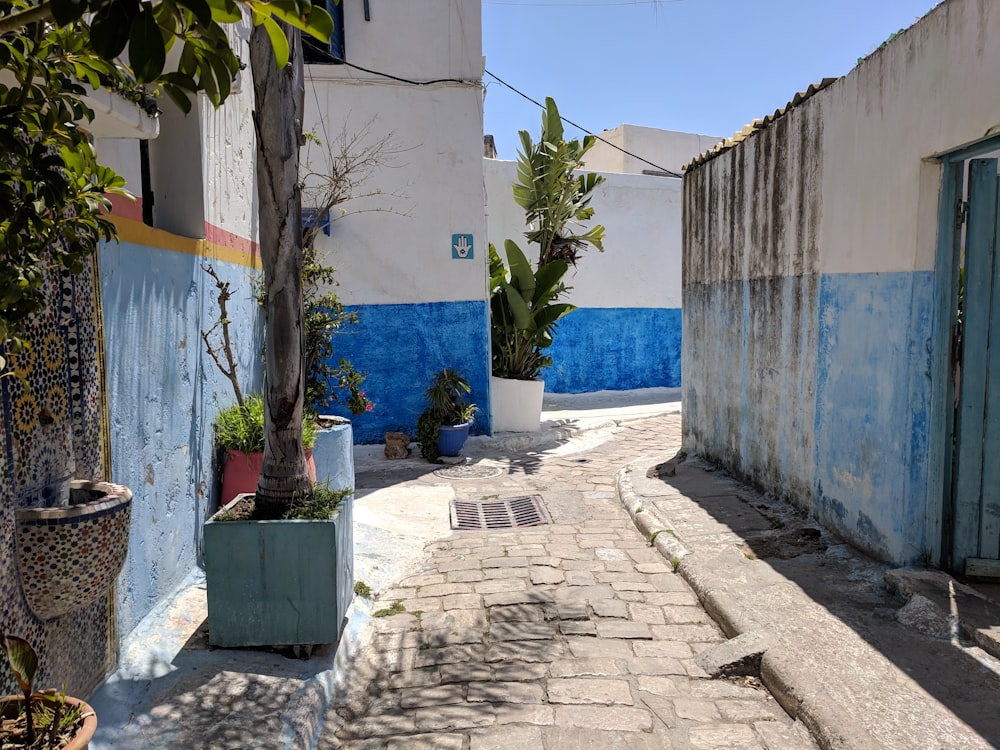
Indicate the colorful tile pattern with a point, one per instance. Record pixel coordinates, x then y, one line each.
51 431
70 556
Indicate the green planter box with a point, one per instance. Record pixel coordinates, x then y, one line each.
279 583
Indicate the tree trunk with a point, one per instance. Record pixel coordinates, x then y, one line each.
279 96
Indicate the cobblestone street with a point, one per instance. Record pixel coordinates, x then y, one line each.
574 634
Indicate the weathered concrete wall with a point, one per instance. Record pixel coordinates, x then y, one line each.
164 392
163 388
421 307
809 286
626 332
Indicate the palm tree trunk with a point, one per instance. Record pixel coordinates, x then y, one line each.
279 96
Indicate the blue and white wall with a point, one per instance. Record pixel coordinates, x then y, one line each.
163 388
809 280
421 304
626 332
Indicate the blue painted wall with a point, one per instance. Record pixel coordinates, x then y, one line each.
873 400
818 388
164 392
401 347
615 349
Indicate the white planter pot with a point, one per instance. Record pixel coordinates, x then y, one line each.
516 404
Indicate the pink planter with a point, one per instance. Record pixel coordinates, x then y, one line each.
242 472
11 706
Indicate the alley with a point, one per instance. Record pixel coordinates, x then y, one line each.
571 634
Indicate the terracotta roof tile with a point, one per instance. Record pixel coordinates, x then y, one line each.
758 124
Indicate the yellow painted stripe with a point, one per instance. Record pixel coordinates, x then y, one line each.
138 233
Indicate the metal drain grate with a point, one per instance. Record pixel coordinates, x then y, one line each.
469 471
512 513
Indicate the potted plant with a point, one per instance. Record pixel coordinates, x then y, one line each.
443 427
524 303
50 720
239 431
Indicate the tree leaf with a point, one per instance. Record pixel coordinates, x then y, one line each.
67 11
279 42
201 10
225 11
23 661
109 30
145 47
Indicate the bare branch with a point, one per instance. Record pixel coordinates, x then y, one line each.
229 368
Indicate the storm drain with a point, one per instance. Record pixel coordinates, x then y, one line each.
512 513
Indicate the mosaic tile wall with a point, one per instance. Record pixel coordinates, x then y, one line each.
51 430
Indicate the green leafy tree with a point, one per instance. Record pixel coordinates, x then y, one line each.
53 190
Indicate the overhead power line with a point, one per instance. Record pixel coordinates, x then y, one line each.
665 172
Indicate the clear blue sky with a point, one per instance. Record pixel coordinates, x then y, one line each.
702 66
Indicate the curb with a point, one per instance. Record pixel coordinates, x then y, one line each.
801 694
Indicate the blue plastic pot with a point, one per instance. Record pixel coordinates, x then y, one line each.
451 438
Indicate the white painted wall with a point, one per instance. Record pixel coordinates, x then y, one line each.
415 40
402 253
228 150
910 100
668 149
641 263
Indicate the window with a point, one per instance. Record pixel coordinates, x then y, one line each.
334 52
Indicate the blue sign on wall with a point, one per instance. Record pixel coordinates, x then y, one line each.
461 246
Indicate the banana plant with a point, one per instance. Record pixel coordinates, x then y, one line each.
524 311
552 196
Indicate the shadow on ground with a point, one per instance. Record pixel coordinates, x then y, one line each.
919 639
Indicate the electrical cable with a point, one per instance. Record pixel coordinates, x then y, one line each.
322 52
667 172
325 53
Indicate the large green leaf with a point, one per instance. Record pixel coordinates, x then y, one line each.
279 42
518 307
145 48
110 29
23 661
521 275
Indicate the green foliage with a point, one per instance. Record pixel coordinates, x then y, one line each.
362 589
427 435
553 198
242 427
396 608
23 663
446 396
325 317
524 303
446 405
524 312
319 505
53 189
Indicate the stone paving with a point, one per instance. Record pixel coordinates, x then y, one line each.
576 634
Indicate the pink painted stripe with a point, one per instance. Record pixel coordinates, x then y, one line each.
126 208
220 236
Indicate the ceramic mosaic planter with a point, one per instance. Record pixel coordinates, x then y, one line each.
70 555
279 583
11 706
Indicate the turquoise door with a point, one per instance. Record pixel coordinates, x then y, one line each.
975 486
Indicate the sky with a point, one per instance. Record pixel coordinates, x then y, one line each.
700 66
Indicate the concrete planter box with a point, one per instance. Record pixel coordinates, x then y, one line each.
516 404
333 452
279 583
